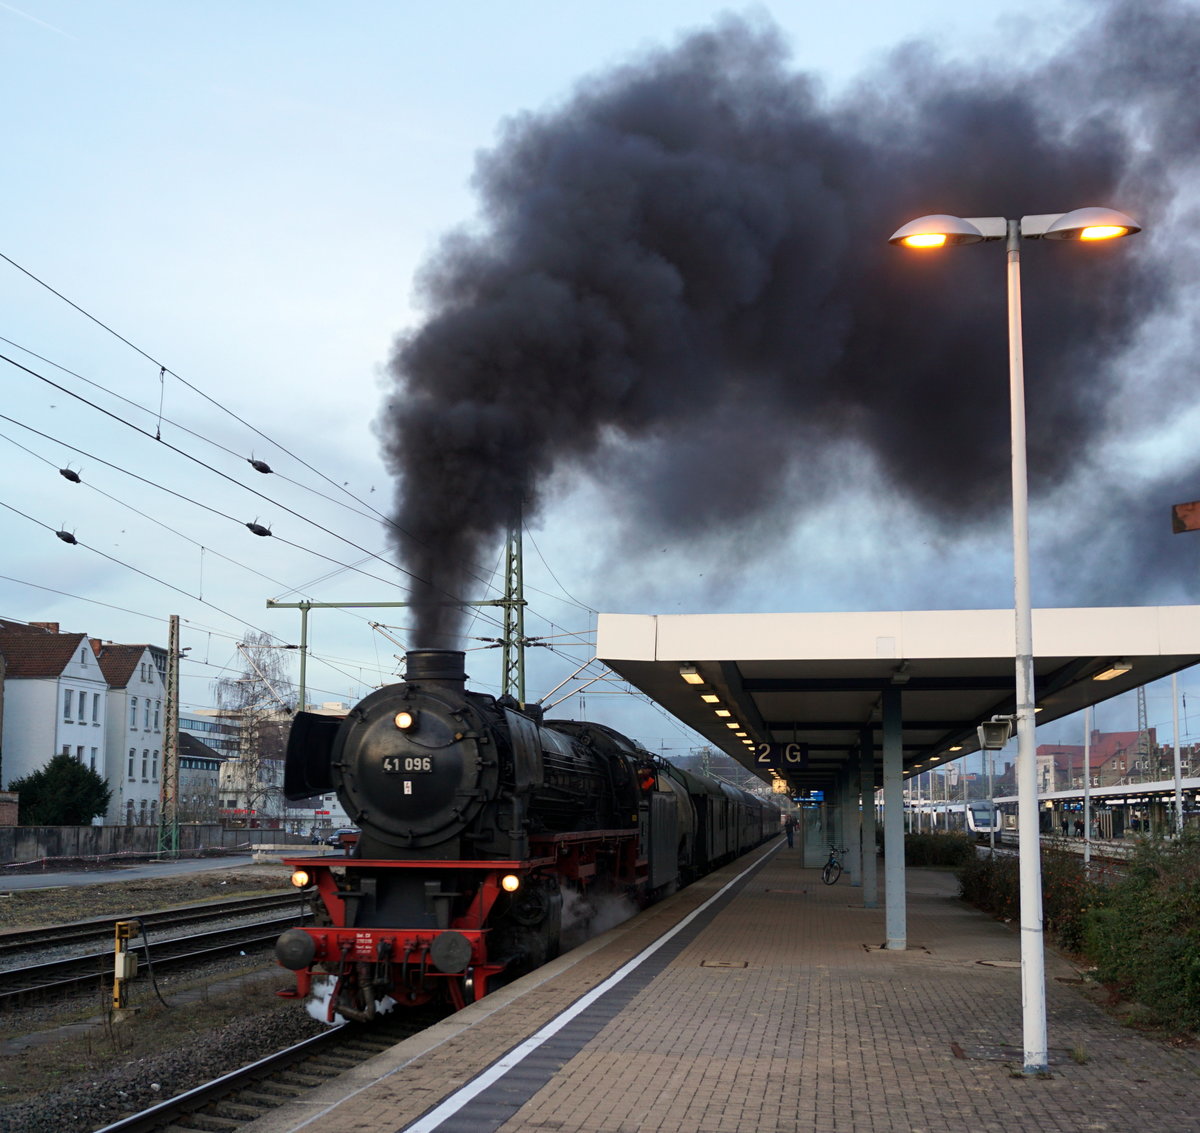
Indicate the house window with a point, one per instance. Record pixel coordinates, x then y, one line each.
133 711
157 710
83 656
132 760
145 761
93 759
79 754
146 715
66 749
154 766
68 696
129 813
96 709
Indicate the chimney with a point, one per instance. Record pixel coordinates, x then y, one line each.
49 627
436 666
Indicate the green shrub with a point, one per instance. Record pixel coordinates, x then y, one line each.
992 883
938 849
1067 897
1140 931
1145 937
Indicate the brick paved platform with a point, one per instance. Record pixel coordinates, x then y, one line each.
776 1010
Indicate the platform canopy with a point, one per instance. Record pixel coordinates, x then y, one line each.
802 688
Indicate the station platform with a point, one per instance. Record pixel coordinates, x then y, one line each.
769 1005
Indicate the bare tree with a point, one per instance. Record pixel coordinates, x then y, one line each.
258 704
200 803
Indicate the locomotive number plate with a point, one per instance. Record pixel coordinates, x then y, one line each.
408 764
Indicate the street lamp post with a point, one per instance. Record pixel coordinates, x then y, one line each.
938 231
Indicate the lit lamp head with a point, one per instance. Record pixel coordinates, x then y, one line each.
1091 224
938 230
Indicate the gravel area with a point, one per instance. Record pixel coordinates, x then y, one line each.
74 1068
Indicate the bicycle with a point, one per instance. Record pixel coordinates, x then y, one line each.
832 869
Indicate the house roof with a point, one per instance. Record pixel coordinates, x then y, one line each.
197 749
31 652
117 662
1105 746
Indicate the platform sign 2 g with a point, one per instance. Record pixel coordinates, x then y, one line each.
782 757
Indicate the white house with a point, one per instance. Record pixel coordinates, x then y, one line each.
135 730
55 699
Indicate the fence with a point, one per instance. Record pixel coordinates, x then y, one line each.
22 845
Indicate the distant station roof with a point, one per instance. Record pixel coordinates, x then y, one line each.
816 680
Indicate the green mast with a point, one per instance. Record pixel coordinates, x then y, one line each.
513 645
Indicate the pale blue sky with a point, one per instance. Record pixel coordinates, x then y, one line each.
245 190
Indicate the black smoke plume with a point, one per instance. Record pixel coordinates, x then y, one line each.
681 286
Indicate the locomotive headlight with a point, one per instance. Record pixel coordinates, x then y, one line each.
406 721
510 883
300 879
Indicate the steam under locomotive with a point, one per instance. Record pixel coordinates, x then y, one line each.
478 820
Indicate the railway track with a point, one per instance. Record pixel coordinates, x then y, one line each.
99 930
89 969
238 1098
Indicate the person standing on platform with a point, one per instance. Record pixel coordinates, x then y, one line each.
789 828
1066 825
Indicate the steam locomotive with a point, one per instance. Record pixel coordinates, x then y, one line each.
479 824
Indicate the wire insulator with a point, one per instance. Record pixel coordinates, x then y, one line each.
257 528
259 465
66 537
69 474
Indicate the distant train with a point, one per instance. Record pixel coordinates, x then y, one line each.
485 832
978 817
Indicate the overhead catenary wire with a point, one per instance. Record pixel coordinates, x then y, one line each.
342 567
561 587
258 465
197 503
163 370
316 657
69 538
151 519
475 570
216 471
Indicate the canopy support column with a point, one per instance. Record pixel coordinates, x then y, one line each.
893 822
866 769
